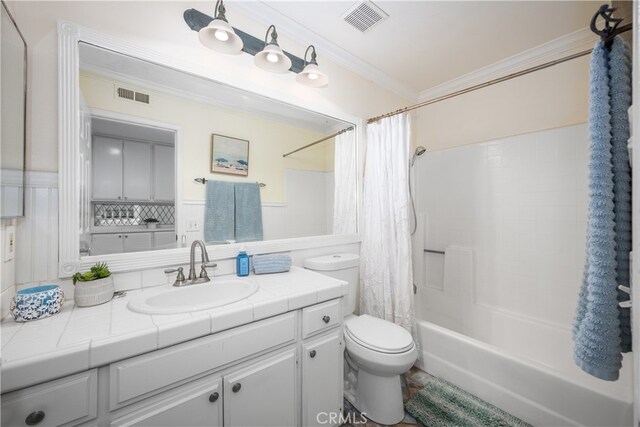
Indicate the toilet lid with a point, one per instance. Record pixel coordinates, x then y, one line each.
378 334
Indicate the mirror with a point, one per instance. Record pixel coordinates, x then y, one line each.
13 91
169 157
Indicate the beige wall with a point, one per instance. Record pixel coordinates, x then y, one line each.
547 99
159 26
268 139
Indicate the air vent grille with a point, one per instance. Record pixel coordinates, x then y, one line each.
132 95
364 15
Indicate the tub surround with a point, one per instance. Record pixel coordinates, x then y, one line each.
78 339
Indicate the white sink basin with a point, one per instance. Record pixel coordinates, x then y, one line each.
203 296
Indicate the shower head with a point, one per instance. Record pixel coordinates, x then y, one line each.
420 150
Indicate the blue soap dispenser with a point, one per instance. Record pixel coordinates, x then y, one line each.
242 263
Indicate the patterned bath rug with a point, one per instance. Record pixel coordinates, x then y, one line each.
442 404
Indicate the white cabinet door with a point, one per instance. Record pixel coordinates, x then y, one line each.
106 157
106 244
137 171
262 394
164 240
196 404
322 366
163 173
137 242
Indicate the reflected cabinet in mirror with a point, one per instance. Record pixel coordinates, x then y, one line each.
13 73
169 157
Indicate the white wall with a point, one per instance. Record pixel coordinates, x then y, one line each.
520 204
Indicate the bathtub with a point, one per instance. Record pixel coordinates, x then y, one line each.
523 388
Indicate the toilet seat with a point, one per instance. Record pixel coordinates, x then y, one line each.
378 335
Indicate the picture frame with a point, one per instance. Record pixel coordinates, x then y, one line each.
229 155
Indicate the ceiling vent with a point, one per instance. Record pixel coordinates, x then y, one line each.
364 15
132 95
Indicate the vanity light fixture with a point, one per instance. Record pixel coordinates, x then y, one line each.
312 75
271 57
219 35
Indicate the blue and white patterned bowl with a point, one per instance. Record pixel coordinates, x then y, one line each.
36 303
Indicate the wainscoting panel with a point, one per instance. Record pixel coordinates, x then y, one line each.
37 233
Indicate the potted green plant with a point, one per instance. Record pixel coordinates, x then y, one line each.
151 222
93 287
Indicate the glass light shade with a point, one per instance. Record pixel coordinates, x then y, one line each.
219 35
312 76
265 59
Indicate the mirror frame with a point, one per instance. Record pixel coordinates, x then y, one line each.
69 260
24 117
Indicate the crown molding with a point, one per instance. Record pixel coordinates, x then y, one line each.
571 43
265 14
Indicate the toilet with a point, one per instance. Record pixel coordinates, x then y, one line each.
377 351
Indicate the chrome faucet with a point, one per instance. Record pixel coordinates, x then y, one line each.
193 279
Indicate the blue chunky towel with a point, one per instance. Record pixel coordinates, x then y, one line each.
620 92
248 226
219 212
597 329
271 263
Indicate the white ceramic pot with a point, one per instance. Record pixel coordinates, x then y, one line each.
94 292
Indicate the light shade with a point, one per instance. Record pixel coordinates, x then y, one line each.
312 76
273 59
220 36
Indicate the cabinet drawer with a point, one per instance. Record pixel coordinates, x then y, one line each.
69 399
321 317
135 377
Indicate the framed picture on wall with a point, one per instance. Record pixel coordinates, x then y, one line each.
229 155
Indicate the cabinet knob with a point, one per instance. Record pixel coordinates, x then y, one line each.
312 353
126 236
34 418
213 397
119 198
326 319
236 387
119 236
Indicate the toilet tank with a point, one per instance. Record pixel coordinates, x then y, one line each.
341 266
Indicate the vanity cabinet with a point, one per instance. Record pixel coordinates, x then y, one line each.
132 171
110 243
164 239
196 404
262 394
259 374
136 171
70 400
163 173
322 373
106 167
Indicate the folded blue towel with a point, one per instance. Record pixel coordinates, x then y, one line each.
271 263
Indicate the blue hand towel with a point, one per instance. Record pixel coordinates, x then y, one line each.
620 94
271 263
596 330
219 212
248 226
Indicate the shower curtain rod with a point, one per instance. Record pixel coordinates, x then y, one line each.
492 82
319 141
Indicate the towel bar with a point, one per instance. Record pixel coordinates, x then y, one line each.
431 251
204 181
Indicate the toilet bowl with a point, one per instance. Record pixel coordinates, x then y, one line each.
380 351
377 351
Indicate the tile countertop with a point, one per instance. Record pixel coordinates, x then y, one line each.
81 338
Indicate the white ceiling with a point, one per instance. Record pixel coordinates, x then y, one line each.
426 43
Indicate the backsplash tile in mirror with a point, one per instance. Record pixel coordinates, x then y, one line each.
110 214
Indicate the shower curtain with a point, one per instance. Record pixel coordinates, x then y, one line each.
344 201
386 276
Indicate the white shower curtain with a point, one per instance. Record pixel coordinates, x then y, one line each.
385 270
344 201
